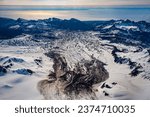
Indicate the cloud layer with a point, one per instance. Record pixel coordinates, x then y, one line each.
74 2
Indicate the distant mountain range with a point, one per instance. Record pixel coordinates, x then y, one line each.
121 31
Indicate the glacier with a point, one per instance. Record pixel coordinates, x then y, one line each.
72 59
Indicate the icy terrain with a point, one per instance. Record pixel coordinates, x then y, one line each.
70 59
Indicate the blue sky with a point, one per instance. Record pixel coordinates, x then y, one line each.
74 2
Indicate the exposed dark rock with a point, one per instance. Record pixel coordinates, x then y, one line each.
103 85
38 62
24 71
7 86
148 50
140 49
2 70
16 60
132 64
29 71
107 86
114 83
136 71
8 66
105 93
3 58
120 60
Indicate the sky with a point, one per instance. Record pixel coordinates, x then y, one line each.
74 2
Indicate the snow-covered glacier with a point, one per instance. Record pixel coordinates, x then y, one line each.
72 59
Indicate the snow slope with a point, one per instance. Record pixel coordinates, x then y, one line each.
14 85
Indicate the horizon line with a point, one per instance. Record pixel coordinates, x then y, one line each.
73 5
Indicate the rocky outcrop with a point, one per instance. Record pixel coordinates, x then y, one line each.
2 70
23 71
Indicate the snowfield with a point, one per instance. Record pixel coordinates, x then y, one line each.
43 68
18 83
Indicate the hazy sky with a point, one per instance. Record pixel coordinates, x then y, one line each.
74 2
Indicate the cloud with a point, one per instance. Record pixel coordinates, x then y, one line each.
74 2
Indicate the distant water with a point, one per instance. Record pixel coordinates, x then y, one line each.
80 12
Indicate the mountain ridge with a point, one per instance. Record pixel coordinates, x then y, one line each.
118 31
